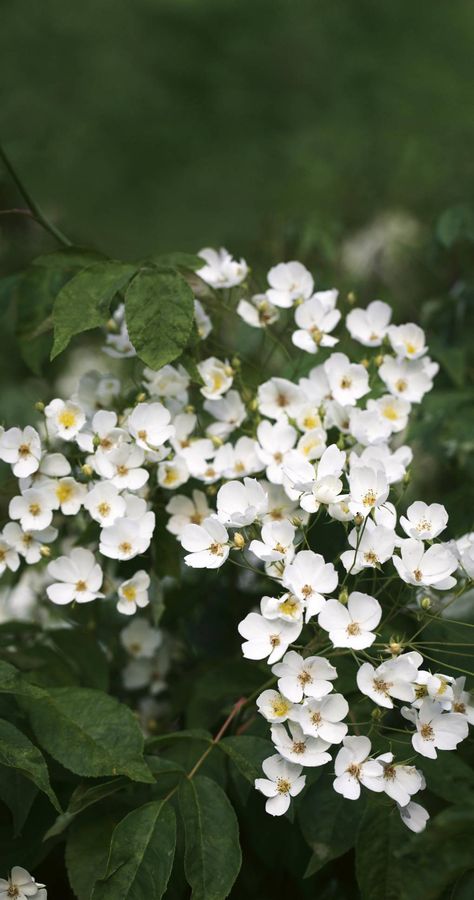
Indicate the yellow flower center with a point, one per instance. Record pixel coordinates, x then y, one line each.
67 418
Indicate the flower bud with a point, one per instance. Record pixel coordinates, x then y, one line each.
239 541
365 363
407 477
425 602
376 713
112 326
253 405
189 408
343 596
87 470
211 490
351 298
395 646
236 364
140 398
39 406
217 441
358 520
229 371
45 551
379 360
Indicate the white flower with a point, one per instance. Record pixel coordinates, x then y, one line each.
314 485
274 707
314 326
351 625
167 382
347 381
274 442
69 495
34 508
424 522
353 768
65 418
316 386
217 377
322 718
133 593
276 541
128 537
22 449
267 638
393 410
279 398
221 270
104 503
173 474
9 558
259 312
202 320
381 457
283 781
229 411
299 748
149 425
240 504
369 326
435 729
140 639
286 607
118 343
27 543
122 467
239 459
409 379
400 782
186 511
373 549
207 544
77 577
431 567
312 444
299 677
368 426
392 678
309 577
368 488
289 282
408 341
21 885
280 506
464 549
462 700
103 433
414 816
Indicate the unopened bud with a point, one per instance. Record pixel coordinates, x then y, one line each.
395 646
229 371
211 490
379 360
239 541
407 477
112 325
253 405
45 551
425 603
189 408
87 470
376 713
351 298
344 596
96 441
217 441
358 520
140 398
39 406
236 364
365 363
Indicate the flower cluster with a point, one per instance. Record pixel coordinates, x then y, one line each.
260 467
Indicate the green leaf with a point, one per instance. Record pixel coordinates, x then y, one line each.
450 778
69 258
83 797
160 314
35 294
13 682
179 260
17 752
247 753
189 734
18 793
84 302
89 733
87 851
141 855
212 857
328 822
437 857
379 841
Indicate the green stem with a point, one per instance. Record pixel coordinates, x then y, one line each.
36 213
